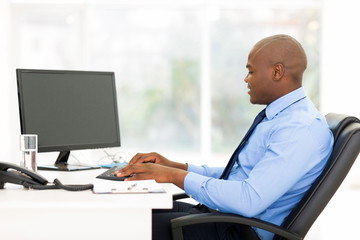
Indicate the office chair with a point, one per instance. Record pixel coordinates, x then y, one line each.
346 131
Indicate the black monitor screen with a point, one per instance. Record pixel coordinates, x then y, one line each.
68 110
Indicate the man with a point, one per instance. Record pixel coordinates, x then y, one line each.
277 164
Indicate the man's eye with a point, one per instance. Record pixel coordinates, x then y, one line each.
249 74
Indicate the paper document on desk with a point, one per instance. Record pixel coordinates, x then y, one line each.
142 186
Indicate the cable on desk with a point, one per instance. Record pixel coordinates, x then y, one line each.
118 157
59 185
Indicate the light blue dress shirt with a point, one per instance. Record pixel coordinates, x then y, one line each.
285 154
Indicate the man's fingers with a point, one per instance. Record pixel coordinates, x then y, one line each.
142 158
135 177
135 159
130 170
126 171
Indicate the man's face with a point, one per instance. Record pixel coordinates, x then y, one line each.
259 78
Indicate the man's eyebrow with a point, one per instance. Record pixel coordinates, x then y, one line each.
248 66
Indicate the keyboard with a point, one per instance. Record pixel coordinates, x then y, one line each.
110 174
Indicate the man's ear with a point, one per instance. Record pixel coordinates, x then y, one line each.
278 71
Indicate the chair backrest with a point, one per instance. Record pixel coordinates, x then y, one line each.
346 131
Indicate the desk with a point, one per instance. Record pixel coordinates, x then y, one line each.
59 214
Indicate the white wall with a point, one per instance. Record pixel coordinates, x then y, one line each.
340 83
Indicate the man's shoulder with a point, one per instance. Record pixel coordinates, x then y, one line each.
303 112
302 116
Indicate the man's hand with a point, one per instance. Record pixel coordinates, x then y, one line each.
156 158
161 174
154 166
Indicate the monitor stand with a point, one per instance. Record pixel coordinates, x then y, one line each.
61 164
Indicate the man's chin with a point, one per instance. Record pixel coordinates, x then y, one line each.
252 100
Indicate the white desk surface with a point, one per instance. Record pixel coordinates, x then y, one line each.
60 214
15 197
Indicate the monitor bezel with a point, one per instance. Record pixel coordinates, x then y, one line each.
67 147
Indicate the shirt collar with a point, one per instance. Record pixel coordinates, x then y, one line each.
283 102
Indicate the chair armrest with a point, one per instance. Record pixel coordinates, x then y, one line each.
178 223
178 196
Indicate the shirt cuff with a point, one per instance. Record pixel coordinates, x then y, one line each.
195 169
192 185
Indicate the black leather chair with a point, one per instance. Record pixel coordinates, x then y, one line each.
346 131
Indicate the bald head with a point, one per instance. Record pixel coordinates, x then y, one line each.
285 50
276 65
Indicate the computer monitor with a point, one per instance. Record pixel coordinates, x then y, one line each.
68 110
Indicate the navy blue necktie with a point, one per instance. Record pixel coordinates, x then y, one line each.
235 155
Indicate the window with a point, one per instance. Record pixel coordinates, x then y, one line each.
179 67
232 37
